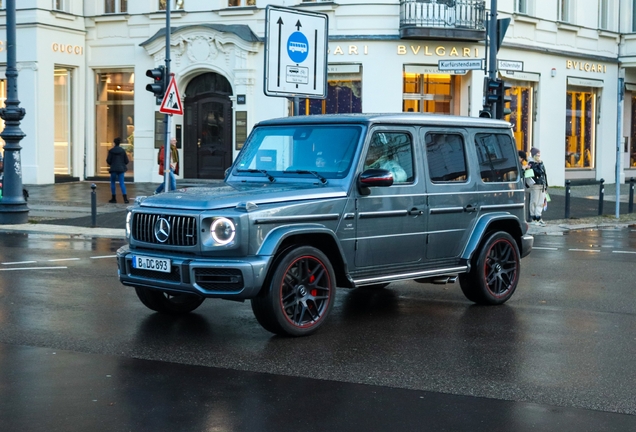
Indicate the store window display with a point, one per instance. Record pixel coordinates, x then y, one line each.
580 128
114 116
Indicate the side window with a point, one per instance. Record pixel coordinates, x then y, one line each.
497 158
446 158
392 151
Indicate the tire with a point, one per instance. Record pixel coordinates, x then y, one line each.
299 295
494 273
168 303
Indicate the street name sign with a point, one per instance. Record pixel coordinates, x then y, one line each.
171 103
510 65
451 65
295 53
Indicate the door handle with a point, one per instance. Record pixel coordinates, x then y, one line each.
415 212
470 208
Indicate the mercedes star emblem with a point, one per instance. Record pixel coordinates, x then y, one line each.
162 230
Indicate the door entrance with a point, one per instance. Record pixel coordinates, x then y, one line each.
207 150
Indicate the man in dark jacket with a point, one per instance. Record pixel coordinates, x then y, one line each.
117 160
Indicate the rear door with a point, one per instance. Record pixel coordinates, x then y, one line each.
452 192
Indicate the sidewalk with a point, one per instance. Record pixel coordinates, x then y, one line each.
65 209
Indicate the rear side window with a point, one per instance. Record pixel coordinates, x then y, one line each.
497 156
446 158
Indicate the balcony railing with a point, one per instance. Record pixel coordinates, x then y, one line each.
445 19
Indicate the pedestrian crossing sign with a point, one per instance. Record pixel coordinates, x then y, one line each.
171 103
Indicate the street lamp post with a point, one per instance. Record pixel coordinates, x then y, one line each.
13 208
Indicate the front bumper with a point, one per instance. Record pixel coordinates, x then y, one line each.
238 279
527 241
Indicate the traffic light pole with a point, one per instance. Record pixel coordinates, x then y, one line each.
489 109
492 35
166 119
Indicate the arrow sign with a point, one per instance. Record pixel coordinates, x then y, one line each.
171 103
295 53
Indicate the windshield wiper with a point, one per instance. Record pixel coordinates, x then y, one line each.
268 175
321 178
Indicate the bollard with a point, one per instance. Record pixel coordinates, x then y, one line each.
93 206
631 196
601 197
567 199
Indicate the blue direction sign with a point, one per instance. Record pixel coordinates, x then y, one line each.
295 53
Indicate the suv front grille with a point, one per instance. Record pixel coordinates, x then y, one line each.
183 229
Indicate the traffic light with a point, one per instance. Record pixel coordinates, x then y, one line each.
504 99
491 90
158 86
491 96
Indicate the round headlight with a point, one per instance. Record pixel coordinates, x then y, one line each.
223 231
128 218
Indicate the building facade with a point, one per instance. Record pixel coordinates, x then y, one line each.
82 80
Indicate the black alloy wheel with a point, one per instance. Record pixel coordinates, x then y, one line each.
494 274
300 293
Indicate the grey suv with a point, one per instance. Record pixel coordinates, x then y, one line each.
318 202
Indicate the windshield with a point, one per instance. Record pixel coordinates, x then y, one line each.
299 151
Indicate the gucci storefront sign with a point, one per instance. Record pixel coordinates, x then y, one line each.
68 49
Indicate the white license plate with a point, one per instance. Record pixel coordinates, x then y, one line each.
151 263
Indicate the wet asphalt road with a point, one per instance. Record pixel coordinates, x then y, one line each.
79 351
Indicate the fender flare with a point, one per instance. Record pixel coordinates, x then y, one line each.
481 227
272 242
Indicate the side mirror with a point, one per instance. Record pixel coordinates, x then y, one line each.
374 178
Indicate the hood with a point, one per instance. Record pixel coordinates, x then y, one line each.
230 195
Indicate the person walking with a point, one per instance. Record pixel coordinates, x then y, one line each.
117 160
174 166
540 187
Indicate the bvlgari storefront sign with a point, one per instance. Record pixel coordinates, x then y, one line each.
418 50
585 66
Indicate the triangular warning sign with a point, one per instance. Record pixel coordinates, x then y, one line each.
171 103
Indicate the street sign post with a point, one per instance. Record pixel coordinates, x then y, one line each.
171 103
295 53
452 65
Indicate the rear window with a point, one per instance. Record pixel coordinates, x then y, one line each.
497 157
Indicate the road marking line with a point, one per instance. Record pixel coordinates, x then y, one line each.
33 268
19 262
544 248
64 259
105 256
584 250
625 252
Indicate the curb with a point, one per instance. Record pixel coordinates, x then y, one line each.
71 231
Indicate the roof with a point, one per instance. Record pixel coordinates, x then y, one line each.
396 118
